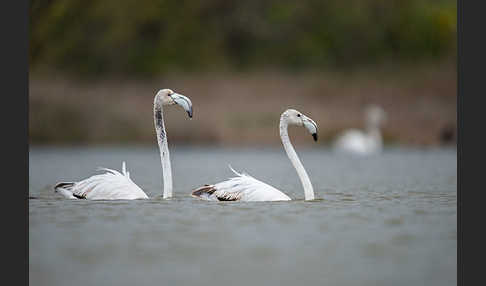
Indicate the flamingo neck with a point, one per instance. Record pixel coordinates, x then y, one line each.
163 149
375 134
289 149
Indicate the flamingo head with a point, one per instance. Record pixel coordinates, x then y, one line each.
294 117
375 115
168 97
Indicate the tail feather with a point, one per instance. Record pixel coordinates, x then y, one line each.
63 185
65 189
233 170
204 190
114 172
124 170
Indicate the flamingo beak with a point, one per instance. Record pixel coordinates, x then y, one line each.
183 101
311 126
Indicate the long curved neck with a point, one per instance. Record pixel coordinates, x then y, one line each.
374 132
304 178
163 148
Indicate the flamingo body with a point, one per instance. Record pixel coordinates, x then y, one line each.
111 185
243 187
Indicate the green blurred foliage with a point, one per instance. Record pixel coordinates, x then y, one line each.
150 37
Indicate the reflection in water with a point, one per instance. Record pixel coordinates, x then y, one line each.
382 220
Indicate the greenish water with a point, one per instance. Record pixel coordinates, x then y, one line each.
382 220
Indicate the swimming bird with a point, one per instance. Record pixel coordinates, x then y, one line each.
365 142
114 185
244 187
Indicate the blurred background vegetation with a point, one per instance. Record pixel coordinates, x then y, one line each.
96 65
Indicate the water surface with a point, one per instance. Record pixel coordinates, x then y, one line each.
380 220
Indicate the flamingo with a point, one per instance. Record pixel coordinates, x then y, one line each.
366 142
113 185
244 187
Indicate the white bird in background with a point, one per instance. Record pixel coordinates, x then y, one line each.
114 185
364 143
243 187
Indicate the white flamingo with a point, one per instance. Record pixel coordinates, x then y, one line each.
244 187
366 142
114 185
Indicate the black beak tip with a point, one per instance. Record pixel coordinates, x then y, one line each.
314 135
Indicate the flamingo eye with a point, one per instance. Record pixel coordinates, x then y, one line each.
298 115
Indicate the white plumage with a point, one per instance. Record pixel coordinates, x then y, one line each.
111 185
244 187
356 142
365 142
114 185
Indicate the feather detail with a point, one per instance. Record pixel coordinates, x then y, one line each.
243 187
112 185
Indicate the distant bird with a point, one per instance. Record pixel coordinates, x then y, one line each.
114 185
365 142
447 134
244 187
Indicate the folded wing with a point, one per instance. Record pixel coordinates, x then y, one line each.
111 185
243 187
